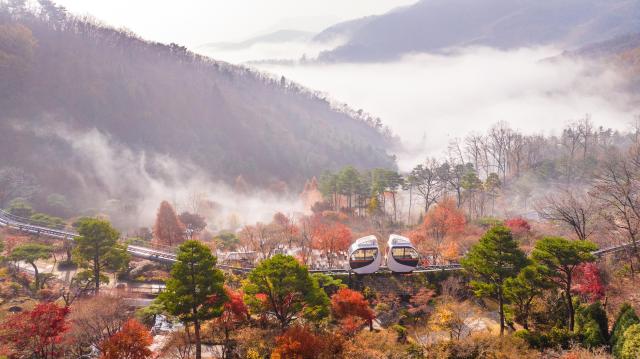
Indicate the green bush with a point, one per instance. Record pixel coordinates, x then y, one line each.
561 337
626 317
534 339
555 338
631 346
592 325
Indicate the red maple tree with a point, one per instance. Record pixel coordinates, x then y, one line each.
132 341
235 312
588 282
37 333
350 303
518 226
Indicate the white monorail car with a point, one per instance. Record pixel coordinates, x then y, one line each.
402 257
364 255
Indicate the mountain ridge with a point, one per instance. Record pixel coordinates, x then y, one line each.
437 25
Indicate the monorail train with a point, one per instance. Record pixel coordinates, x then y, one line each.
402 257
364 255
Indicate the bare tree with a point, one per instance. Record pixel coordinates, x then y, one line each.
427 183
574 209
618 189
498 144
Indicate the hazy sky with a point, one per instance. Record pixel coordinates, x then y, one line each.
194 22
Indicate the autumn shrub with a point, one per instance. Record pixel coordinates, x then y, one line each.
132 341
382 344
302 342
481 347
578 352
47 295
177 346
254 341
347 302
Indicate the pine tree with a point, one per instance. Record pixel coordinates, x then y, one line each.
491 262
195 290
560 258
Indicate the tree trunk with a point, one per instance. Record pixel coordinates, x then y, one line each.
96 273
226 350
196 326
501 309
409 215
570 305
35 271
395 216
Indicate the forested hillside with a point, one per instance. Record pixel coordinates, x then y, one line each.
434 25
621 51
67 79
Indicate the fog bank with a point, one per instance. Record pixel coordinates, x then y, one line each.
429 99
129 185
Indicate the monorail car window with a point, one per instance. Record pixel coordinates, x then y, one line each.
364 254
404 253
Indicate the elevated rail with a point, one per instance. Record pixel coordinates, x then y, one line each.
168 255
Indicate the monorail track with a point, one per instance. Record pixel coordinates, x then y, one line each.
23 225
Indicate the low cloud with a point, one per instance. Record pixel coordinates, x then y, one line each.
289 51
132 184
428 100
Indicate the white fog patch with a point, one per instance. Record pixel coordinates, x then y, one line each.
428 100
288 51
136 182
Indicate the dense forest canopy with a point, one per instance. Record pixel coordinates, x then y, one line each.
74 93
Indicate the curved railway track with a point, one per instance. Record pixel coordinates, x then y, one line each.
167 256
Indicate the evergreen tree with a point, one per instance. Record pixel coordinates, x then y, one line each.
521 290
559 258
30 253
195 290
493 260
626 317
281 288
97 249
592 325
631 346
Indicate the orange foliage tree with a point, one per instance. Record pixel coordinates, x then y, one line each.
346 304
301 342
132 341
332 239
443 220
168 229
